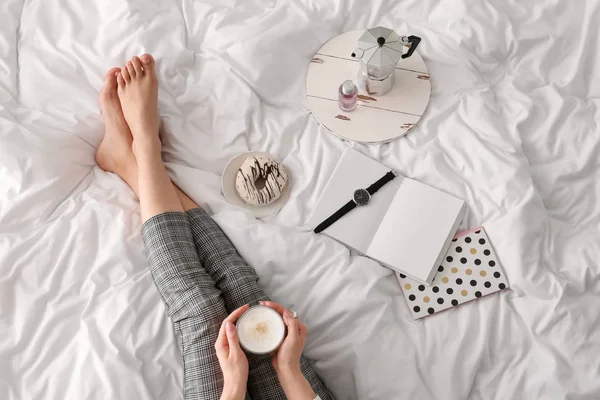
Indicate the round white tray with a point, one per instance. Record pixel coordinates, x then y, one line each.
231 194
377 119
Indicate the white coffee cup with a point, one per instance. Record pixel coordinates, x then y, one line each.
261 330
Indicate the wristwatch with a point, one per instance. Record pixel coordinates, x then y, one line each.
361 197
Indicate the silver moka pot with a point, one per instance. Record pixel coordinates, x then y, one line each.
379 50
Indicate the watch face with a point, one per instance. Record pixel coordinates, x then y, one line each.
361 197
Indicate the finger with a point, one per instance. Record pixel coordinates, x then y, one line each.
291 323
277 307
233 317
221 342
137 65
302 330
232 336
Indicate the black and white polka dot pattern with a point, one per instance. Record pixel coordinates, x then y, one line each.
468 271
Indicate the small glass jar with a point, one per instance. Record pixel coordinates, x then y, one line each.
348 96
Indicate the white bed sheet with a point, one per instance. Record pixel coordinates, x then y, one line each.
512 127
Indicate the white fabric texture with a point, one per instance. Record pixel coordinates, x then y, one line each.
512 128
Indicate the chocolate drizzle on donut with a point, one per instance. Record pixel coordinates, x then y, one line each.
264 182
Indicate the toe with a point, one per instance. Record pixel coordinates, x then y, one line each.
137 65
120 80
112 72
131 69
147 61
109 89
125 75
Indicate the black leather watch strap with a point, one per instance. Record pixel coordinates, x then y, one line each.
335 216
382 181
351 204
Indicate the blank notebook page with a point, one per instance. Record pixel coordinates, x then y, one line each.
354 171
416 227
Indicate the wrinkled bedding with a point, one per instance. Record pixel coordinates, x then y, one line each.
512 128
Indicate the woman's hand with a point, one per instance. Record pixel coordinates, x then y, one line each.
290 351
232 359
287 359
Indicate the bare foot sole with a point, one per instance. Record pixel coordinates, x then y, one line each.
114 153
138 93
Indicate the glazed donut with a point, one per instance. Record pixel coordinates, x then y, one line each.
261 180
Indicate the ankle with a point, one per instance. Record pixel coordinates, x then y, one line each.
146 147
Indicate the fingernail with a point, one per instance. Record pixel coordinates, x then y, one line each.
230 327
262 302
288 313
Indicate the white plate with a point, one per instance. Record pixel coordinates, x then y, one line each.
232 196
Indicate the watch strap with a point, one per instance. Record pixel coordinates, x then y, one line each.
335 216
382 181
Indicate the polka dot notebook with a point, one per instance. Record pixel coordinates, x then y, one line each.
470 269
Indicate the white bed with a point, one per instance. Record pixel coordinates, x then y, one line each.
512 127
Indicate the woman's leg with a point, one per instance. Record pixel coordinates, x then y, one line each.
188 292
238 283
263 382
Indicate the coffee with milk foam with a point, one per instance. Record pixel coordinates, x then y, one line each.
260 330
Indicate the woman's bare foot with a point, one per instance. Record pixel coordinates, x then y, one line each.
138 92
138 97
114 153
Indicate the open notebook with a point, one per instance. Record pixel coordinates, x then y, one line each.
407 226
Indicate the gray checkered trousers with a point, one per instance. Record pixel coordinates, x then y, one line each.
201 279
